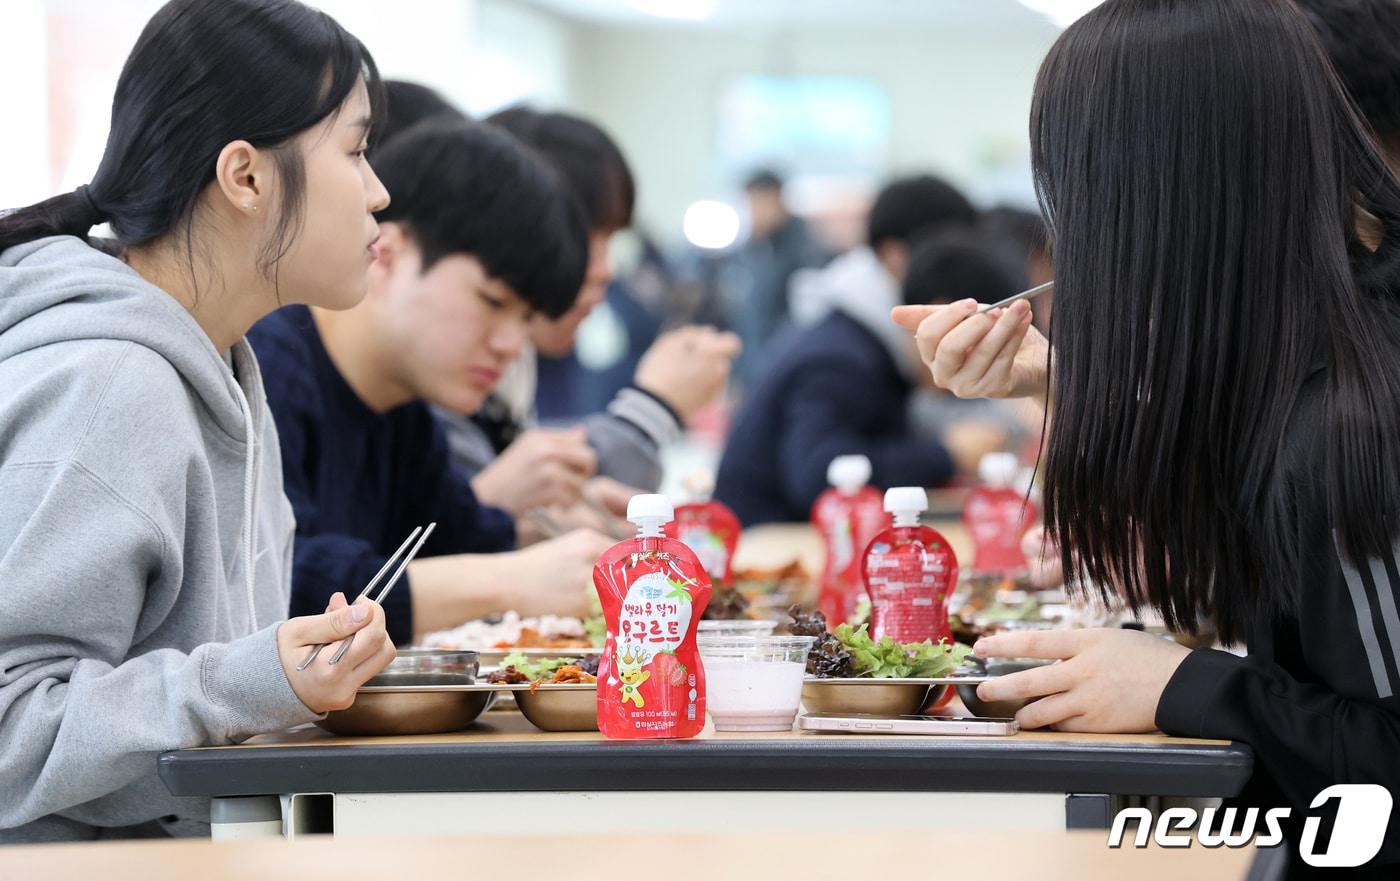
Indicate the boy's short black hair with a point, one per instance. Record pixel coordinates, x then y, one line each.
588 159
1020 236
407 104
461 187
910 206
1362 37
764 179
1025 229
955 264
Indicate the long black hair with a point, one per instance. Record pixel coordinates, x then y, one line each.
1203 174
1362 38
205 73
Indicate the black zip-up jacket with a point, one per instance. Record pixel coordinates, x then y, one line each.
1318 696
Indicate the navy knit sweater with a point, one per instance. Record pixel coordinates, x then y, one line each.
360 481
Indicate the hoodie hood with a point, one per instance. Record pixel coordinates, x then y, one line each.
61 289
857 285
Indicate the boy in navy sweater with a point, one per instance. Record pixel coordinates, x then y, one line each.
843 384
480 235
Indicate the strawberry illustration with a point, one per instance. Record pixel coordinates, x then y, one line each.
669 669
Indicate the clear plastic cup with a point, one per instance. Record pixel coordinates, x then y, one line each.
738 627
754 683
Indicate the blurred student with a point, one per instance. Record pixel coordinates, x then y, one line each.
1021 235
843 385
779 244
406 104
948 266
611 343
480 236
1362 39
684 370
549 468
869 277
144 537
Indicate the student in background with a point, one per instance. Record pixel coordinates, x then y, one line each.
1225 441
145 542
844 385
550 468
1362 38
407 104
481 235
1021 235
779 244
683 371
948 266
869 277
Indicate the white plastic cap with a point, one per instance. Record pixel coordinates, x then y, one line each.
998 469
648 508
906 500
848 473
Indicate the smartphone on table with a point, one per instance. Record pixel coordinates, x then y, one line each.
856 723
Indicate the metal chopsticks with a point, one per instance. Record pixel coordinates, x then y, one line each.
1024 295
388 564
398 573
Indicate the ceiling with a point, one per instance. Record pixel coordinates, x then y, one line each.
928 14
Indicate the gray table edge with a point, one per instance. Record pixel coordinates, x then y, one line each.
817 763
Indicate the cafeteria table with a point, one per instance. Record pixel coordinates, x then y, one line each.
502 776
589 847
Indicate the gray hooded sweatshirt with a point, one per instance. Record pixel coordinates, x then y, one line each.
145 547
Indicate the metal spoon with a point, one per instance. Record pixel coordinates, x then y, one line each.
1024 295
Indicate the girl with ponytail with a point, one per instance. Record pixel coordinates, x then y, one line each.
145 541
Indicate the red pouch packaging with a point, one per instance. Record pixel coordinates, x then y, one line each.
653 590
847 517
909 571
709 528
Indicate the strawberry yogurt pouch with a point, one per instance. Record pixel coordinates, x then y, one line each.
653 589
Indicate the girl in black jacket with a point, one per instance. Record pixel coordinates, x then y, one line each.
1225 437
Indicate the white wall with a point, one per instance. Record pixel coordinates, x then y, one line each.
24 149
959 101
480 54
520 54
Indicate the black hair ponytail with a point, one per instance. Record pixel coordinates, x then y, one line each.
69 214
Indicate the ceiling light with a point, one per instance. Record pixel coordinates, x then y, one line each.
712 225
684 10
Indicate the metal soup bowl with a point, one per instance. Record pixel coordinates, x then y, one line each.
386 710
566 707
876 697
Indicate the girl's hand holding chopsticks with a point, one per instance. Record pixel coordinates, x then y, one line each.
324 686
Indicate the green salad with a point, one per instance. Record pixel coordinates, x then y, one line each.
851 652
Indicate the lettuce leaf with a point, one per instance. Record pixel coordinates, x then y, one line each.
538 669
887 659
